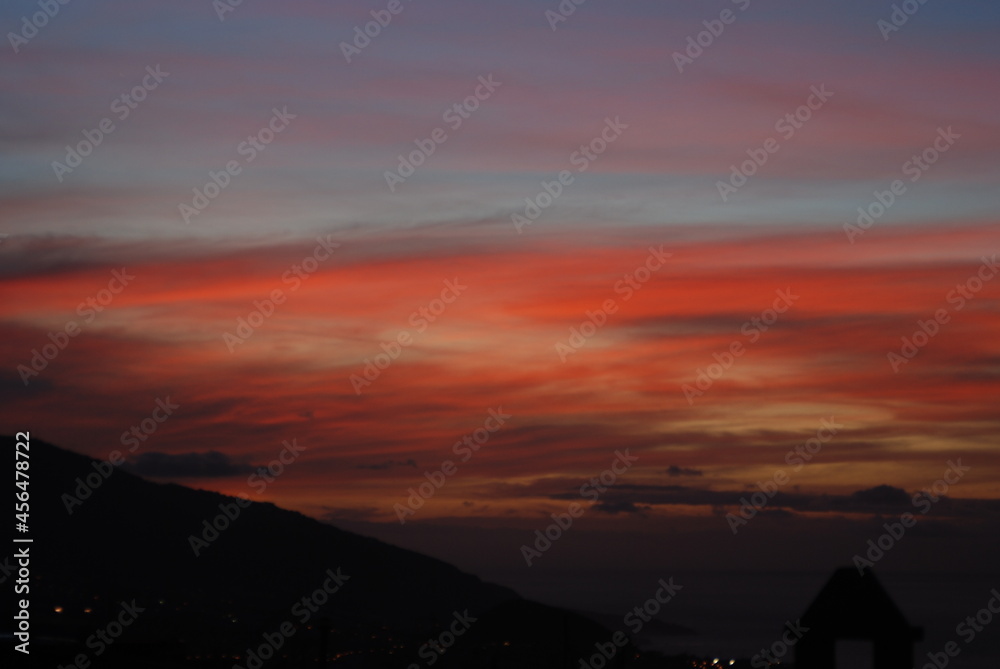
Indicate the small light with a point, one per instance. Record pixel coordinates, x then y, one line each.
58 609
732 662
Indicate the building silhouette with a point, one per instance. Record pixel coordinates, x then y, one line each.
853 605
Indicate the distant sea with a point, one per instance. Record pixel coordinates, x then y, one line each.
737 614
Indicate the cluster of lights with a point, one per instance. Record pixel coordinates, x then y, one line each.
716 662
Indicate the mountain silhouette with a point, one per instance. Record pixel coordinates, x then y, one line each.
130 540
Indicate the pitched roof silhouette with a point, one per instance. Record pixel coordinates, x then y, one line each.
854 605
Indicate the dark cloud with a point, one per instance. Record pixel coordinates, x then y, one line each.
881 499
881 494
619 507
187 465
674 470
476 508
389 464
775 513
335 516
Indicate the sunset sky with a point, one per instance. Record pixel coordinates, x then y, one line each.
685 264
